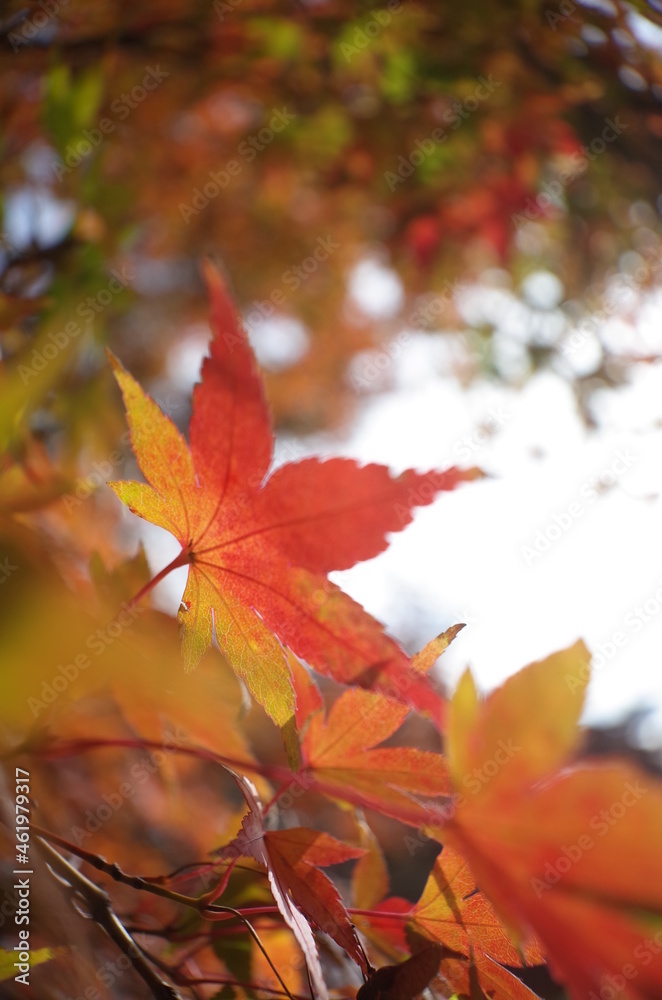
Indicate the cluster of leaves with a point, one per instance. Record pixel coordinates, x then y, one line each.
523 179
444 143
137 765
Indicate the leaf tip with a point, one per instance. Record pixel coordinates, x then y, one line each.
114 362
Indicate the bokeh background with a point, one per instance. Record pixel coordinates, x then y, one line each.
442 225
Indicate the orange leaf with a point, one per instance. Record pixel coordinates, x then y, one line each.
568 852
453 912
304 895
423 661
340 756
370 881
526 729
481 977
258 548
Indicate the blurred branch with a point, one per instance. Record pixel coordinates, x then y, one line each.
100 910
201 904
36 257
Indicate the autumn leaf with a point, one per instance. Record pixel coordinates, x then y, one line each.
422 661
404 981
453 912
473 943
341 756
259 546
476 946
566 849
304 895
308 696
370 875
518 746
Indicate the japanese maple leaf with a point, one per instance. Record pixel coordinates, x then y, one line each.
452 912
259 546
304 895
565 848
404 981
341 757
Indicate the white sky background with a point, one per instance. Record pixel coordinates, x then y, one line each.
463 558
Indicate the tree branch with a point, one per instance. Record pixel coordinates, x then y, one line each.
208 910
100 910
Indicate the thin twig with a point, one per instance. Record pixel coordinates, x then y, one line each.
220 980
71 748
100 910
207 910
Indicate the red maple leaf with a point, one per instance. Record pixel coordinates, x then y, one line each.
259 546
304 895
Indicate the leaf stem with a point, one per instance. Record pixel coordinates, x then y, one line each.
71 748
220 980
182 559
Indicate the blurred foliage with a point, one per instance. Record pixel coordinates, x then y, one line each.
449 145
453 146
